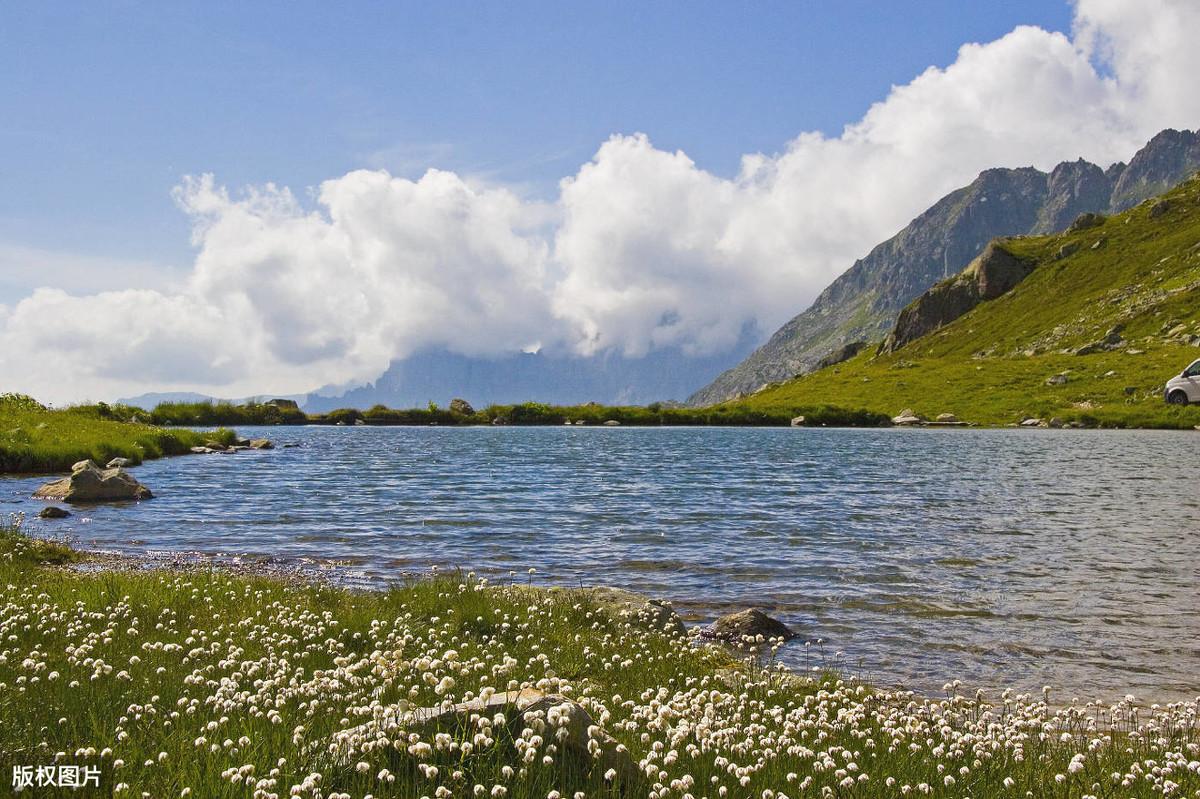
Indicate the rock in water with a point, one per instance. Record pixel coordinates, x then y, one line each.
737 628
89 483
53 512
261 443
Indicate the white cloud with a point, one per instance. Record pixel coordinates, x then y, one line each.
642 249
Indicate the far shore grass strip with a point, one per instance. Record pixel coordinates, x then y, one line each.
205 684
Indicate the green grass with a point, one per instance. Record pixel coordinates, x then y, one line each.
991 366
34 438
208 685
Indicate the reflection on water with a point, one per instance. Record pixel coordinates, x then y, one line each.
999 557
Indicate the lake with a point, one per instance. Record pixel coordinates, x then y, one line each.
999 557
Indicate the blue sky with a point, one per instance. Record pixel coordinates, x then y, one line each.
107 105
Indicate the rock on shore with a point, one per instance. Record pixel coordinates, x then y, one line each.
89 483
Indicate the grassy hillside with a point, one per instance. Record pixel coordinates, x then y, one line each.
1139 271
34 438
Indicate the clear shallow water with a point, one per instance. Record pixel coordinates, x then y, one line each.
1002 557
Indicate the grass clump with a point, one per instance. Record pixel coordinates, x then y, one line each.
34 438
204 684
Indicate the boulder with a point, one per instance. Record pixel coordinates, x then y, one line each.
461 406
907 417
612 423
53 512
747 626
1159 208
1057 380
535 709
1086 221
1031 422
947 418
1056 423
89 483
1067 250
118 463
634 607
843 353
215 446
797 421
261 443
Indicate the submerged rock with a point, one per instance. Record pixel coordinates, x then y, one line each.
89 483
737 628
53 512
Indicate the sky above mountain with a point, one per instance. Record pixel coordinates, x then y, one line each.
237 201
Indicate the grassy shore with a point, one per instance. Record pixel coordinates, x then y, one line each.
34 438
208 685
1038 350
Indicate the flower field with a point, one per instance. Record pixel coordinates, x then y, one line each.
203 684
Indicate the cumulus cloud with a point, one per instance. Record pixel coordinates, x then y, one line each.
642 249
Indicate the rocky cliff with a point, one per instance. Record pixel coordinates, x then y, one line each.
863 302
993 273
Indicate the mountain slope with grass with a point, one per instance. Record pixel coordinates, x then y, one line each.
1108 312
862 304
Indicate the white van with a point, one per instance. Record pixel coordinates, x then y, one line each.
1186 387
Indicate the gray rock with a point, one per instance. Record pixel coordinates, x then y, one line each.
53 512
612 423
1055 423
634 607
747 626
1031 422
1057 380
1086 221
261 443
556 711
797 421
118 463
89 483
461 406
947 418
1159 208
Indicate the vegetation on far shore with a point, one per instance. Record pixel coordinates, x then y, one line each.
34 438
527 413
1135 276
204 684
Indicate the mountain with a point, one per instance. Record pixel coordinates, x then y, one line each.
608 379
1085 325
862 303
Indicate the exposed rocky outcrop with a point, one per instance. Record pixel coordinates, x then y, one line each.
461 406
863 302
89 483
841 354
995 272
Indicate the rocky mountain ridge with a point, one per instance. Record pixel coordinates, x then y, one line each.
862 304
